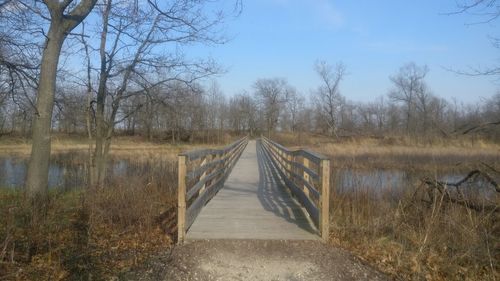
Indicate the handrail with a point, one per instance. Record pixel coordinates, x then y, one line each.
307 175
202 174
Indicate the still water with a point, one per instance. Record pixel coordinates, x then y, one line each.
65 172
69 171
394 183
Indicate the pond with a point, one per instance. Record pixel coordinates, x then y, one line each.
69 171
394 183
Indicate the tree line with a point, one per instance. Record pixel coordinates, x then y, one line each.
176 112
102 67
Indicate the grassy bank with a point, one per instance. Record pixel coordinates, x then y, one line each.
398 152
121 146
408 235
107 232
413 238
97 234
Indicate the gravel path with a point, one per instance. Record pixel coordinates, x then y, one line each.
256 260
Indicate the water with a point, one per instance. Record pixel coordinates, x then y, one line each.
394 183
65 171
69 171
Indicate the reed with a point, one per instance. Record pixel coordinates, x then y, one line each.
89 233
406 236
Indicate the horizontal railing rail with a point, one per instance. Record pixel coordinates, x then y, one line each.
202 174
307 175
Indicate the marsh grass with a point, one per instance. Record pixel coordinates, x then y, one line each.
89 233
398 152
122 146
101 233
408 237
395 228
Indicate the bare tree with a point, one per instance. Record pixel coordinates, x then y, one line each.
272 95
215 110
58 18
141 47
328 96
487 11
408 83
295 105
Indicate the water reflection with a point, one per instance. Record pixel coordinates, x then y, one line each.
394 183
69 171
65 172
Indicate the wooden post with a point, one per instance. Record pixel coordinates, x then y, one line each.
305 175
181 203
289 167
206 159
324 214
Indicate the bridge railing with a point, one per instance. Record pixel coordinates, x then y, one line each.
307 175
202 173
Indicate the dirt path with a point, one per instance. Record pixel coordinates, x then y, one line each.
255 260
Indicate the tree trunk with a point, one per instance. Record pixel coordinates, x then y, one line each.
38 169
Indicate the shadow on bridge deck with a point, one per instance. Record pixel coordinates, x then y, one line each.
275 197
253 204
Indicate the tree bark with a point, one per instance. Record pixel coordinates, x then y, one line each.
38 169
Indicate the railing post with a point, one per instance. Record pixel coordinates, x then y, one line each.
289 157
181 202
324 214
207 158
305 175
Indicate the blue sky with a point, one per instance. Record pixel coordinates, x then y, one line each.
283 38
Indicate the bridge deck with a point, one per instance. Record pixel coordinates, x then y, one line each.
253 204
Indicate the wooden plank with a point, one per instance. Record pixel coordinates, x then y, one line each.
200 170
299 194
291 174
308 170
305 176
199 185
305 201
311 190
195 208
196 154
325 200
253 204
229 155
313 156
181 199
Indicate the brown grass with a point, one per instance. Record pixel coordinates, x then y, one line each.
121 146
401 234
414 240
398 153
106 232
94 234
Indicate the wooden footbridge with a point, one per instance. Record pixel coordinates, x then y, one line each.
253 189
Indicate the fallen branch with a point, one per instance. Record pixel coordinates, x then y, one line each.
442 187
476 127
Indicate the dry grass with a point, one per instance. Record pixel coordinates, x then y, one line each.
93 234
398 153
414 240
400 233
406 157
121 146
89 234
106 232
